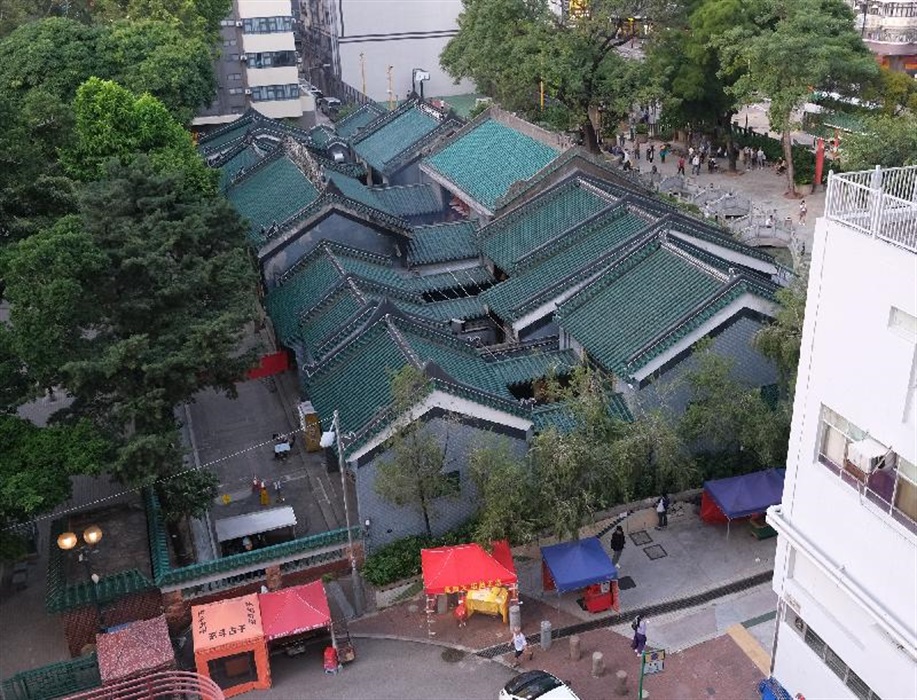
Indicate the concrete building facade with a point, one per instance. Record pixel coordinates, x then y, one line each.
846 565
376 46
258 65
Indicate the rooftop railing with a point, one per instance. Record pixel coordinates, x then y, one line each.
880 203
170 685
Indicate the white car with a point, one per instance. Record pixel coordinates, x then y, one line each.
537 684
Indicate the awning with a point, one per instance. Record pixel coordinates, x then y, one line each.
138 648
226 622
294 610
575 565
254 523
463 567
741 496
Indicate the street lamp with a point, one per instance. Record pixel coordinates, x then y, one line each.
328 439
864 8
92 535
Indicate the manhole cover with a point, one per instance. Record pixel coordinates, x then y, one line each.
453 655
640 537
655 552
626 583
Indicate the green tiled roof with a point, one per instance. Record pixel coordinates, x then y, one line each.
409 200
442 242
220 137
273 191
245 158
472 278
407 126
559 415
647 293
355 121
525 368
312 279
443 311
326 318
692 227
320 135
460 361
485 161
357 191
552 270
509 238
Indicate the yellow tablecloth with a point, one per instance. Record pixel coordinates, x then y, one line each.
492 601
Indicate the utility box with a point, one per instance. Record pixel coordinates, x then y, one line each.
311 427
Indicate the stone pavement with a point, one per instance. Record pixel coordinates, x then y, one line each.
712 647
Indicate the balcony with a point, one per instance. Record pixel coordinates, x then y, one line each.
880 203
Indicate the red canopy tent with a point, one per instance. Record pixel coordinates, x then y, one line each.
466 567
294 610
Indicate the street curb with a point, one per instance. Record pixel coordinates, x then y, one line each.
430 642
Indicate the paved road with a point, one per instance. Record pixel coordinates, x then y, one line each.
387 669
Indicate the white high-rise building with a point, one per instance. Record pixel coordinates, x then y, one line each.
258 64
846 566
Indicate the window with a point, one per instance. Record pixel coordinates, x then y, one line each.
266 93
269 59
267 25
234 76
826 654
230 42
906 489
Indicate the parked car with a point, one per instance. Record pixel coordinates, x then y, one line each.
314 91
537 684
329 106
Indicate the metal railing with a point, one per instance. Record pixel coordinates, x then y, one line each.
880 203
165 684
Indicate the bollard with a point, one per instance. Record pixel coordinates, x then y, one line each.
515 617
621 684
442 604
575 651
545 634
598 664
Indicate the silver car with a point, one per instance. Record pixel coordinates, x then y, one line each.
537 684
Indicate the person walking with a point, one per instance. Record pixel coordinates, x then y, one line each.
639 642
803 210
519 646
662 511
651 153
681 165
617 544
695 164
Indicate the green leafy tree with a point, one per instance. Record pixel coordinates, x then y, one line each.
194 17
729 421
149 291
694 81
797 46
780 339
36 464
162 59
889 141
412 474
188 493
508 47
506 490
112 122
575 470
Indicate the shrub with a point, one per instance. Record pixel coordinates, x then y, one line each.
401 558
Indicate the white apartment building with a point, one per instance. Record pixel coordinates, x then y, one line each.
379 44
846 565
258 65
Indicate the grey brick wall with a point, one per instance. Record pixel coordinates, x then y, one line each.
751 368
390 522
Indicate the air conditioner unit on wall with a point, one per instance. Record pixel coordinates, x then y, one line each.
248 91
243 57
239 24
867 455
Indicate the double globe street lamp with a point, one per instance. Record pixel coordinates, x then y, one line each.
70 541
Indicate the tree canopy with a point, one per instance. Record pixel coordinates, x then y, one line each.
890 141
508 47
795 47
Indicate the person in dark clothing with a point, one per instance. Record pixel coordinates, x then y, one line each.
662 511
617 544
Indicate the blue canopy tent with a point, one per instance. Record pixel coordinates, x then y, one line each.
725 500
582 564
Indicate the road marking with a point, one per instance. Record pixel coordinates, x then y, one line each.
753 650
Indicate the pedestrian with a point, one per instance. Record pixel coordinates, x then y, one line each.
681 165
519 646
695 164
461 612
651 152
639 628
762 159
803 210
662 511
617 544
663 152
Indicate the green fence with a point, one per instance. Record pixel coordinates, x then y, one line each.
54 681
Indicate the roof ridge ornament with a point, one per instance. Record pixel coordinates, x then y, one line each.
305 161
